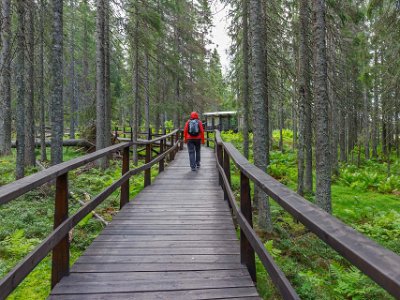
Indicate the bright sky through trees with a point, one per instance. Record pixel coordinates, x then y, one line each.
220 36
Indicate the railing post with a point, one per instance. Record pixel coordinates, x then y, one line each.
227 170
125 187
149 134
161 163
219 156
60 258
177 141
208 136
147 173
172 153
247 256
182 139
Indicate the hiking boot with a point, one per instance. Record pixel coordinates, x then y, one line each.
198 166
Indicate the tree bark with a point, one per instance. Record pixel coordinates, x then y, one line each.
41 83
147 102
304 95
72 84
246 84
57 113
5 79
20 79
30 159
260 115
322 149
100 82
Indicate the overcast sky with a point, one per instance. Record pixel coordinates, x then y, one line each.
219 33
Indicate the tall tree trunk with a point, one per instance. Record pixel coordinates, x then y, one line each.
87 92
334 120
323 159
100 81
304 98
147 103
107 78
246 84
260 115
365 128
30 159
41 83
5 79
20 79
72 86
136 87
375 120
57 114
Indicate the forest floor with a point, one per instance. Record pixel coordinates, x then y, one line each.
363 197
26 221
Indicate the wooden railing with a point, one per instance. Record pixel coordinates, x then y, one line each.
58 240
380 264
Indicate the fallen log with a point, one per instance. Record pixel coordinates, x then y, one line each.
66 143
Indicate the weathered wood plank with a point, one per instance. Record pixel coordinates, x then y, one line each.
146 286
151 267
227 293
162 251
175 240
151 276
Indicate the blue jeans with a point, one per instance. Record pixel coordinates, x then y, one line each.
194 152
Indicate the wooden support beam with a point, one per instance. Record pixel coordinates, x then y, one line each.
60 258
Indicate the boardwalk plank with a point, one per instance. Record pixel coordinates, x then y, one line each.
175 240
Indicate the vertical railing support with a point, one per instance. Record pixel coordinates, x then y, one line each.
171 154
247 255
147 173
125 187
176 141
149 134
220 160
227 170
60 258
182 139
161 163
208 136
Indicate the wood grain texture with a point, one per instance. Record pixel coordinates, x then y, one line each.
175 240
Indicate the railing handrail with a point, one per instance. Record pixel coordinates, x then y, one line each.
9 192
19 187
277 276
377 262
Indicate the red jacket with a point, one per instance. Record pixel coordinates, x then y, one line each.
187 136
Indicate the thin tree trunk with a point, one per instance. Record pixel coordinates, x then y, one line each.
323 159
147 103
365 129
72 91
136 88
246 94
41 83
107 78
30 159
5 79
260 115
100 81
304 95
375 120
20 80
57 114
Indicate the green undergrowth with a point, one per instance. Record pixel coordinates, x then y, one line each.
365 197
28 220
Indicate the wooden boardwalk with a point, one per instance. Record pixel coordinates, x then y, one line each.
175 240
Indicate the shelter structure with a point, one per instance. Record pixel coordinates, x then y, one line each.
221 120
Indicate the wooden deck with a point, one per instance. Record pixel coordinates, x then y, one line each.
175 240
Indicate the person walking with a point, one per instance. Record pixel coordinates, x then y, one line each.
194 135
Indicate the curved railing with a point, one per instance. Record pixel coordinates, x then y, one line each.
380 264
58 241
